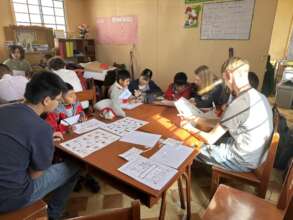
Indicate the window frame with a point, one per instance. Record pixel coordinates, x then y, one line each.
41 14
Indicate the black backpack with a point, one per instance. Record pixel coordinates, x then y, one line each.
285 147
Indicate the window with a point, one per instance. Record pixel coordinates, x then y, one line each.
48 13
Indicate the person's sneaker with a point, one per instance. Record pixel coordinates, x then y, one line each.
91 184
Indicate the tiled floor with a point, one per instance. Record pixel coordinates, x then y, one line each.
86 203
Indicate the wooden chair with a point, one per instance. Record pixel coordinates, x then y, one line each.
37 210
229 203
88 95
258 178
131 213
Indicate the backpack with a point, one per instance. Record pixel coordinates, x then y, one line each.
285 147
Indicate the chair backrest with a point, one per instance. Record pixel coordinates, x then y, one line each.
131 213
88 95
286 196
264 171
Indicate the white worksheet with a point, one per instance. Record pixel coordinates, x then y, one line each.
172 155
90 142
71 120
171 141
186 108
131 154
124 126
88 126
141 138
148 172
125 94
130 106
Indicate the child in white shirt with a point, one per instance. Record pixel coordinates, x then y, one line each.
11 87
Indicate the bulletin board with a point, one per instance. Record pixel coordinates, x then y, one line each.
227 20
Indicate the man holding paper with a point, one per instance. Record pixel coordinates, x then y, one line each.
248 121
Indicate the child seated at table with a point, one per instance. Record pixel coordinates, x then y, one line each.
11 87
179 88
69 107
144 87
119 93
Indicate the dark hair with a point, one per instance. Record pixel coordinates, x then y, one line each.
122 74
12 49
56 63
4 69
110 78
253 79
68 87
43 84
147 74
180 79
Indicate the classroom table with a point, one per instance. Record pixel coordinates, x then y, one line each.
105 162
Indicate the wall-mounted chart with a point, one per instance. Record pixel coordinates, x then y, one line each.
227 20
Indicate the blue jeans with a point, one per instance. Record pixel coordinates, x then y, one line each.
59 179
221 156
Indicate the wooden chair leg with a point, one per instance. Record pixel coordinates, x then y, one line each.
181 193
163 207
262 191
215 183
187 177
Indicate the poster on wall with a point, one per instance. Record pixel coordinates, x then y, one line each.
197 1
117 30
192 16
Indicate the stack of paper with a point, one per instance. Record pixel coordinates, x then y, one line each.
131 154
124 126
71 120
130 106
141 138
148 172
90 142
88 126
172 155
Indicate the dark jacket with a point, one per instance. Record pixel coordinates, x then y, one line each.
218 95
149 95
154 89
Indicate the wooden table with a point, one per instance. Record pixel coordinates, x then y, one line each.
105 162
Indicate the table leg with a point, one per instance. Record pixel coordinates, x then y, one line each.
187 177
181 194
163 207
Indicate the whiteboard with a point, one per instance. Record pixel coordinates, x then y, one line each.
227 20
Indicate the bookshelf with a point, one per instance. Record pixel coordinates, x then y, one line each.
77 49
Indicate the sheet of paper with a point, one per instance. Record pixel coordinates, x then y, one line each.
130 106
172 155
141 138
186 108
124 126
131 154
171 141
90 142
88 126
148 172
125 94
71 120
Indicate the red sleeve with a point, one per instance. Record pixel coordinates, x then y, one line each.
53 120
79 109
169 93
